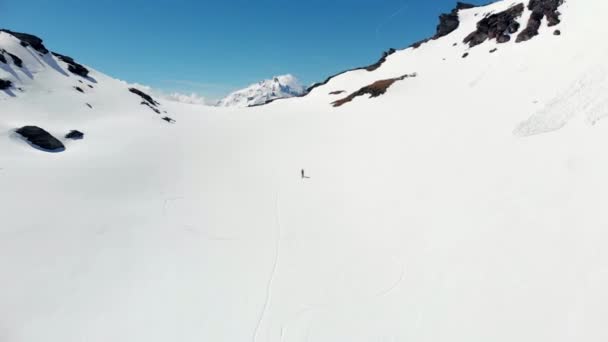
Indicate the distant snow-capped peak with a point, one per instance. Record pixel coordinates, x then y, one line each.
259 93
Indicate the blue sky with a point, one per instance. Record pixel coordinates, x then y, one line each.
213 47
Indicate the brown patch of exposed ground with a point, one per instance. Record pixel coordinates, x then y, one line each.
374 90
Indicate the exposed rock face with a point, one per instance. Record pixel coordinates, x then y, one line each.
41 138
374 90
147 98
497 26
168 119
29 40
79 89
73 67
74 135
448 23
381 61
155 110
540 9
337 92
4 84
16 60
2 58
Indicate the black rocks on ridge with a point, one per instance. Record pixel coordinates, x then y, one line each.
497 26
28 40
73 66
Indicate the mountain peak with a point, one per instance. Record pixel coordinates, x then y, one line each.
278 87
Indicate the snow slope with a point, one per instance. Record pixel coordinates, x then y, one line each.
465 204
278 87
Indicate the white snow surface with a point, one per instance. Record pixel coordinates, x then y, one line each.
279 87
465 204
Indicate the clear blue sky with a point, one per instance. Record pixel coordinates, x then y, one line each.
213 47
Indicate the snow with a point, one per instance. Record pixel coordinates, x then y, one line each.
466 204
278 87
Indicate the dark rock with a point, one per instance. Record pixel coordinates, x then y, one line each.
79 89
90 86
75 135
73 66
493 50
5 84
147 98
449 22
2 58
168 119
497 26
16 60
374 90
337 92
381 61
540 9
88 105
557 33
151 107
503 39
28 40
466 54
41 138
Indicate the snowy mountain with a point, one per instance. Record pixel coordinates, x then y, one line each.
456 192
278 87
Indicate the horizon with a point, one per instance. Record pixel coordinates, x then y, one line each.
311 45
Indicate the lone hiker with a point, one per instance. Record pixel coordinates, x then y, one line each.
304 175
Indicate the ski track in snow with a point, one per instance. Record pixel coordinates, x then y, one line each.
274 269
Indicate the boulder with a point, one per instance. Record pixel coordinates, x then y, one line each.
74 135
41 138
5 84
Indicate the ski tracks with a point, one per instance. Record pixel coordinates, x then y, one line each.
275 266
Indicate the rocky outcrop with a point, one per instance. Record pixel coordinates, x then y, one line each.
374 90
381 61
73 66
448 23
16 60
75 135
499 26
168 119
5 84
540 9
28 40
147 98
41 139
